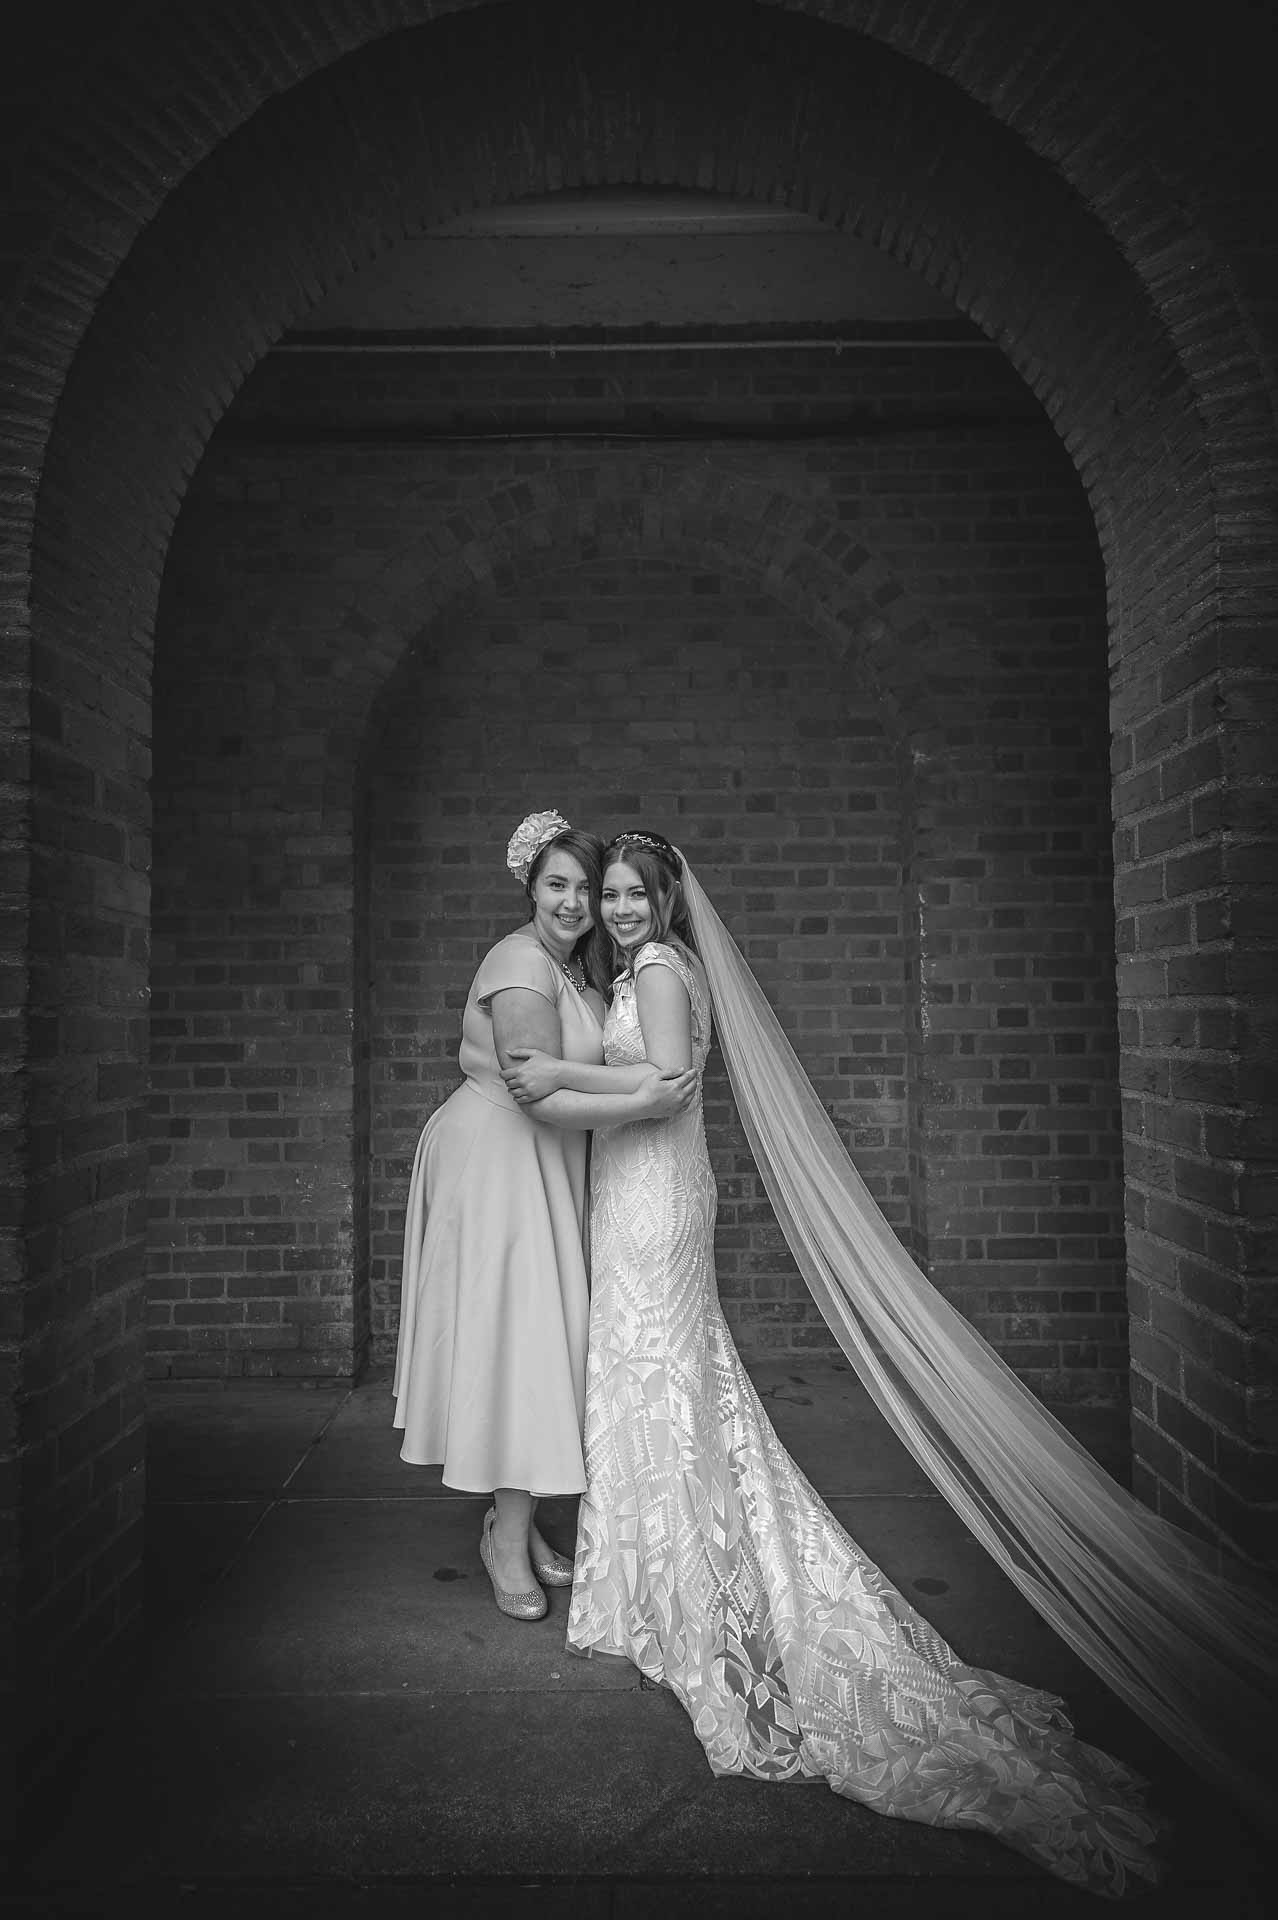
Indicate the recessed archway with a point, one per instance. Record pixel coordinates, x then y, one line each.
740 514
1101 313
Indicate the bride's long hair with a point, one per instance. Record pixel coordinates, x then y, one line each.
660 868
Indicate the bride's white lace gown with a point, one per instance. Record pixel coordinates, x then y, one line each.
706 1558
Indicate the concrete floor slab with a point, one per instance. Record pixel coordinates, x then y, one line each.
232 1443
826 1419
929 1555
472 1784
370 1899
835 1898
352 1597
339 1723
189 1545
477 1785
752 1829
359 1453
523 1897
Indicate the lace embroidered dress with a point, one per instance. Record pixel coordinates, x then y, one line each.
705 1556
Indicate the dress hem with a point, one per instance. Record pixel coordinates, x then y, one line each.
457 1486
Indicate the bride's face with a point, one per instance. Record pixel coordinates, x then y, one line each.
626 910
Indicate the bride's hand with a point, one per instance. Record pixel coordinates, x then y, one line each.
671 1093
536 1075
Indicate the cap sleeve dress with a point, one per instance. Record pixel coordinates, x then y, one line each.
490 1371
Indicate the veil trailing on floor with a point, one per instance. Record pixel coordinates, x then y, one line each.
1193 1652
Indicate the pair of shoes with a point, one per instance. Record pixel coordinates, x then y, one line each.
519 1606
554 1570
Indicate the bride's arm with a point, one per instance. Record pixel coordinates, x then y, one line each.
659 1097
665 1016
523 1020
532 1075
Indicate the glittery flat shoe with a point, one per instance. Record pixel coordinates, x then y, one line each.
518 1606
554 1570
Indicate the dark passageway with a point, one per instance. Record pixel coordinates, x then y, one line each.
845 441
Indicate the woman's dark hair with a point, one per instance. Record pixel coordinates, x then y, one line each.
661 870
587 850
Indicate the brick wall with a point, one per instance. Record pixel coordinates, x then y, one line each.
1111 233
636 689
252 1187
793 730
1195 804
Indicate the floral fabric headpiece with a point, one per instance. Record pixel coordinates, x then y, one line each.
528 839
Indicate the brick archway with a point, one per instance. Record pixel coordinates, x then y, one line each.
786 548
983 177
447 568
1144 118
933 688
477 723
730 516
797 551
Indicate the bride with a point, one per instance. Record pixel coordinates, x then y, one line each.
703 1553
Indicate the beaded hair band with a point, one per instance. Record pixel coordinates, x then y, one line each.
640 840
668 855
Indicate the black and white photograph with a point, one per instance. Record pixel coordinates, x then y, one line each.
639 1268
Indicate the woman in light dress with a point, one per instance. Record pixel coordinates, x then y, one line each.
489 1375
703 1554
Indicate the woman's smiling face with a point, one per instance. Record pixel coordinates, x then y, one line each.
626 909
561 903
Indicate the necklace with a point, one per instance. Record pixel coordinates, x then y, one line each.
574 970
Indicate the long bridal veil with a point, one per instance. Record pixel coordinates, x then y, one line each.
1193 1652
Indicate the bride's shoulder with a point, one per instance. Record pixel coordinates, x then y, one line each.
665 953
